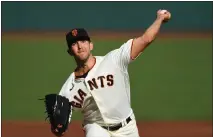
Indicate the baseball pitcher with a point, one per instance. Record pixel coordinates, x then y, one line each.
99 86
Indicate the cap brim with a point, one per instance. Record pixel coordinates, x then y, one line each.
79 38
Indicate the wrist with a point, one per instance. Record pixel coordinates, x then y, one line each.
160 18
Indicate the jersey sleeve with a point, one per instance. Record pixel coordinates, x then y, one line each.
64 89
122 56
66 86
63 92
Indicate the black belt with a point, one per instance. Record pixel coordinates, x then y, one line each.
113 128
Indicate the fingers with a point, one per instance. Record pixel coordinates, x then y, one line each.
163 11
163 14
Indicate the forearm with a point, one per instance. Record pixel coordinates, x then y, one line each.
151 33
140 43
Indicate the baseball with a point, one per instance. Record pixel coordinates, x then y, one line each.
166 12
163 11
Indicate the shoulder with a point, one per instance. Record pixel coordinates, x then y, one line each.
66 86
99 58
71 77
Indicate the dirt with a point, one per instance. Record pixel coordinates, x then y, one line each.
146 129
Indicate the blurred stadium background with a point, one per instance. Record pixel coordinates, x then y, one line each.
171 81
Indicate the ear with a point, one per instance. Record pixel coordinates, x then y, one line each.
91 46
70 52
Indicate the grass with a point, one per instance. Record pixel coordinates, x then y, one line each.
171 80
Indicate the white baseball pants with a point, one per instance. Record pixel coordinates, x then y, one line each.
95 130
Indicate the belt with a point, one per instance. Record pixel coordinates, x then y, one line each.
116 127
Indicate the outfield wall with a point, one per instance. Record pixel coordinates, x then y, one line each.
186 16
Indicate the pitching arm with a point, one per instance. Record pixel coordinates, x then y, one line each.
140 43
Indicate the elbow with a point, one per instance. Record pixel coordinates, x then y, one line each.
147 39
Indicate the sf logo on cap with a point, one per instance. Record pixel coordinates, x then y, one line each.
74 32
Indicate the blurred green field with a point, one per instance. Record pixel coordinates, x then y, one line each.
171 80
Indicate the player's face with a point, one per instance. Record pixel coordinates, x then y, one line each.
81 49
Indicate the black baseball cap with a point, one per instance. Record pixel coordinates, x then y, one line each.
76 34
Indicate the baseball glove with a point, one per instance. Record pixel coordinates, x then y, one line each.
58 111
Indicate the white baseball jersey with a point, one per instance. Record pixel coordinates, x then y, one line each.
104 95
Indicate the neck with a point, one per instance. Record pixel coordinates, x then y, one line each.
85 66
